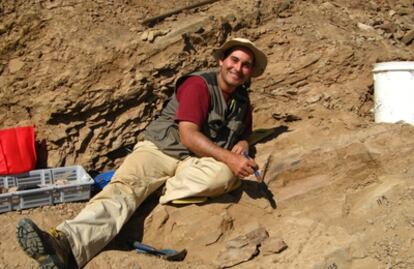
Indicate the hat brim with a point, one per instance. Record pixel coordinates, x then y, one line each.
260 59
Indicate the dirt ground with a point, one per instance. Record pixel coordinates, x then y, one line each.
91 75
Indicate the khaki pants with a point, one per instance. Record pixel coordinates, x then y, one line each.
143 172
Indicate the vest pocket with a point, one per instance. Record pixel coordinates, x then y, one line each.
236 130
215 125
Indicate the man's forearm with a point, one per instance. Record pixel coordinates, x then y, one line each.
202 146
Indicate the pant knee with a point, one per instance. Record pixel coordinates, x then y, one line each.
222 178
219 180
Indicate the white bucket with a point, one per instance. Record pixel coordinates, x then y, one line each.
394 92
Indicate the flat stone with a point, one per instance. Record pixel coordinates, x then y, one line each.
151 36
242 248
365 27
404 11
230 257
144 36
15 65
273 245
408 37
3 28
256 237
314 98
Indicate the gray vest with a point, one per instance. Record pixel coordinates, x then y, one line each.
224 126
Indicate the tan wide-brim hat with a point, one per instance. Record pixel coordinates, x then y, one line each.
260 59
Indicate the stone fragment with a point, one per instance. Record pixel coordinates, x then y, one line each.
139 76
374 6
58 133
151 36
408 37
404 11
3 28
273 245
237 243
242 248
231 257
314 98
15 65
399 34
365 27
282 6
144 36
388 27
257 236
286 117
85 135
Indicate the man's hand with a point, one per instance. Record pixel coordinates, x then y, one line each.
241 166
202 146
240 147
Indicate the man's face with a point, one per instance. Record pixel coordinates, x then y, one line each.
237 67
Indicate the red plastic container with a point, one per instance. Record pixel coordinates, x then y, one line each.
17 150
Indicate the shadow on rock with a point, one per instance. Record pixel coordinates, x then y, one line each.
264 135
256 190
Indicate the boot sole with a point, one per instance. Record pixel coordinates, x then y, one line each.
29 237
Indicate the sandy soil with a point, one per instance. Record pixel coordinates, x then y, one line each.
91 76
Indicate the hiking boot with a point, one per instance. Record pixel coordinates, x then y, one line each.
50 249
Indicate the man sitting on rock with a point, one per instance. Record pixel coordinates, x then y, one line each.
195 147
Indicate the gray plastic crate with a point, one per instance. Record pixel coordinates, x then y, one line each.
45 187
